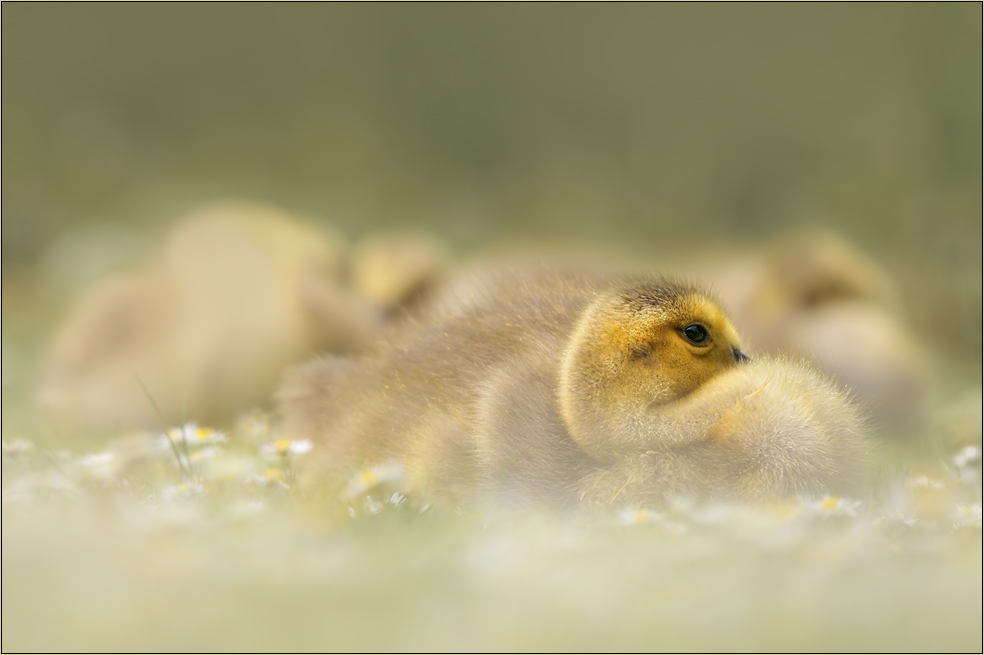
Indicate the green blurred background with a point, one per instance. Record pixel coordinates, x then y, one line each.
645 129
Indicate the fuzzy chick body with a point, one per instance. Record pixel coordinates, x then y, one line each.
548 386
239 292
816 295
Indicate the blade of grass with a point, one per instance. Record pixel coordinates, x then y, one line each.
157 410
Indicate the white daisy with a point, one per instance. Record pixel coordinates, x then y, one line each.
283 447
968 456
391 474
968 516
191 434
102 466
834 506
633 516
273 477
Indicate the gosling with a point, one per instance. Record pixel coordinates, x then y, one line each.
239 292
531 385
818 296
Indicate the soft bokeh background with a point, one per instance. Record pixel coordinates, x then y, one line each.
648 128
645 130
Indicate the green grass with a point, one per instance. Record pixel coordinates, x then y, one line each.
129 553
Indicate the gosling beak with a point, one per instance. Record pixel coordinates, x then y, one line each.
740 357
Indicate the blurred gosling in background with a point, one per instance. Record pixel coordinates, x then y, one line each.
239 292
816 296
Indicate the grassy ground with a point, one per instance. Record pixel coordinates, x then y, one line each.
93 561
135 542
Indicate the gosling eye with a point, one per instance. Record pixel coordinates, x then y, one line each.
696 333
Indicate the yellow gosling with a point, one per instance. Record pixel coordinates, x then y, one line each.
528 385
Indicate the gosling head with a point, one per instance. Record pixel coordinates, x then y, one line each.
640 345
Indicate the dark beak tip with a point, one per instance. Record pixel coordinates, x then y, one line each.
741 357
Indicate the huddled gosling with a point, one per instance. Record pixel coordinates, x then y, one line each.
527 385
